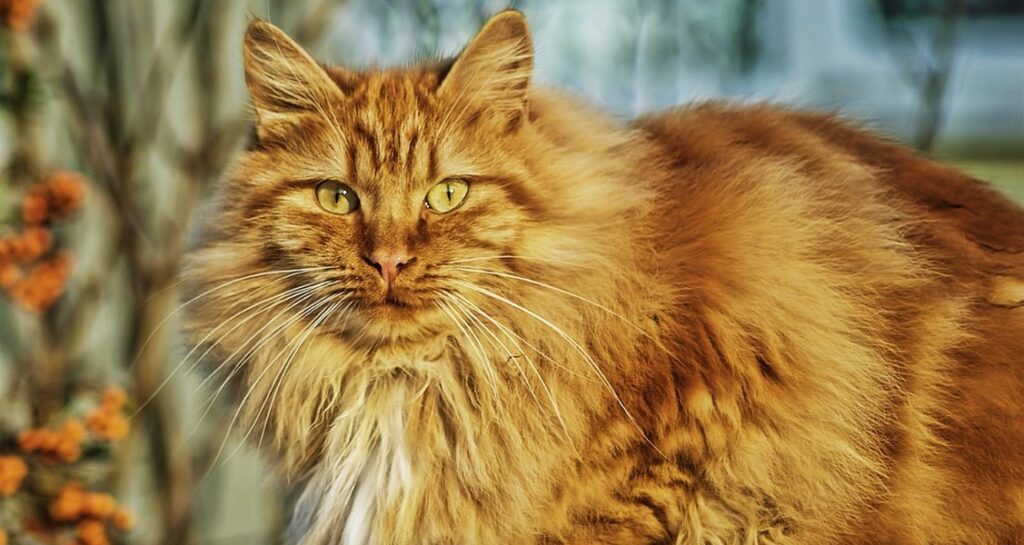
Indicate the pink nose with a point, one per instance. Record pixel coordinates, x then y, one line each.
389 263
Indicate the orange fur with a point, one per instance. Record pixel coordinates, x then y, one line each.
719 325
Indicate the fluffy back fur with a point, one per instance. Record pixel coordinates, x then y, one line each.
718 325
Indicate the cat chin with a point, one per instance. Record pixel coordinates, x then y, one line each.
376 325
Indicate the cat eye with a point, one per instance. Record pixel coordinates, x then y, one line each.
336 197
447 195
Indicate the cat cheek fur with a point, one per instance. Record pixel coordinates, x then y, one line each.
716 325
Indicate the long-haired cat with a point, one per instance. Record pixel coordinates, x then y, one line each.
464 310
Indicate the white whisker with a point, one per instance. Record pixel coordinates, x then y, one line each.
275 386
510 332
575 345
514 359
156 329
562 291
269 303
241 405
474 341
495 342
299 342
211 400
521 257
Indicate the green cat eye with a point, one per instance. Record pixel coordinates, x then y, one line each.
336 197
447 195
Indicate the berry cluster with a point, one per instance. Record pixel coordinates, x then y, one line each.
27 246
108 422
63 444
30 278
18 15
72 511
56 197
40 286
90 511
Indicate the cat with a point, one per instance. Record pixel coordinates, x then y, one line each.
462 309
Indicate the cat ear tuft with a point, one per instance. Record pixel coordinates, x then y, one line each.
495 68
282 78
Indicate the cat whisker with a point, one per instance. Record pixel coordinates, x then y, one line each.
273 301
258 340
508 331
345 313
495 342
287 272
252 387
211 400
474 342
568 293
572 343
551 398
296 297
521 257
275 386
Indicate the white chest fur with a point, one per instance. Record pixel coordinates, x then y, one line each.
402 422
387 470
368 469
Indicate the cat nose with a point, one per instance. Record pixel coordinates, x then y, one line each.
389 263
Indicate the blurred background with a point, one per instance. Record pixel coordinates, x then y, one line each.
118 116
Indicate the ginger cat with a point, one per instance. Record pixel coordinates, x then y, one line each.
464 310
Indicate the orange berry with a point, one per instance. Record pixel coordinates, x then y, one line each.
73 430
34 208
64 444
100 505
28 440
6 249
69 503
114 398
3 537
69 441
66 190
18 15
49 441
108 426
15 249
123 520
10 274
43 284
92 532
68 452
12 471
37 241
119 428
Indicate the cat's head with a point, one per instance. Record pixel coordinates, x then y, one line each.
381 195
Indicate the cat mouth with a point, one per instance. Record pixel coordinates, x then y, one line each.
393 300
394 304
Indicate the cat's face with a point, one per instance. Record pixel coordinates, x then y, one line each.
375 185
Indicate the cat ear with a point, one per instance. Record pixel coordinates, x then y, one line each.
282 78
495 67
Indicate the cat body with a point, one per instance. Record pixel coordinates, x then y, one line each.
718 325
